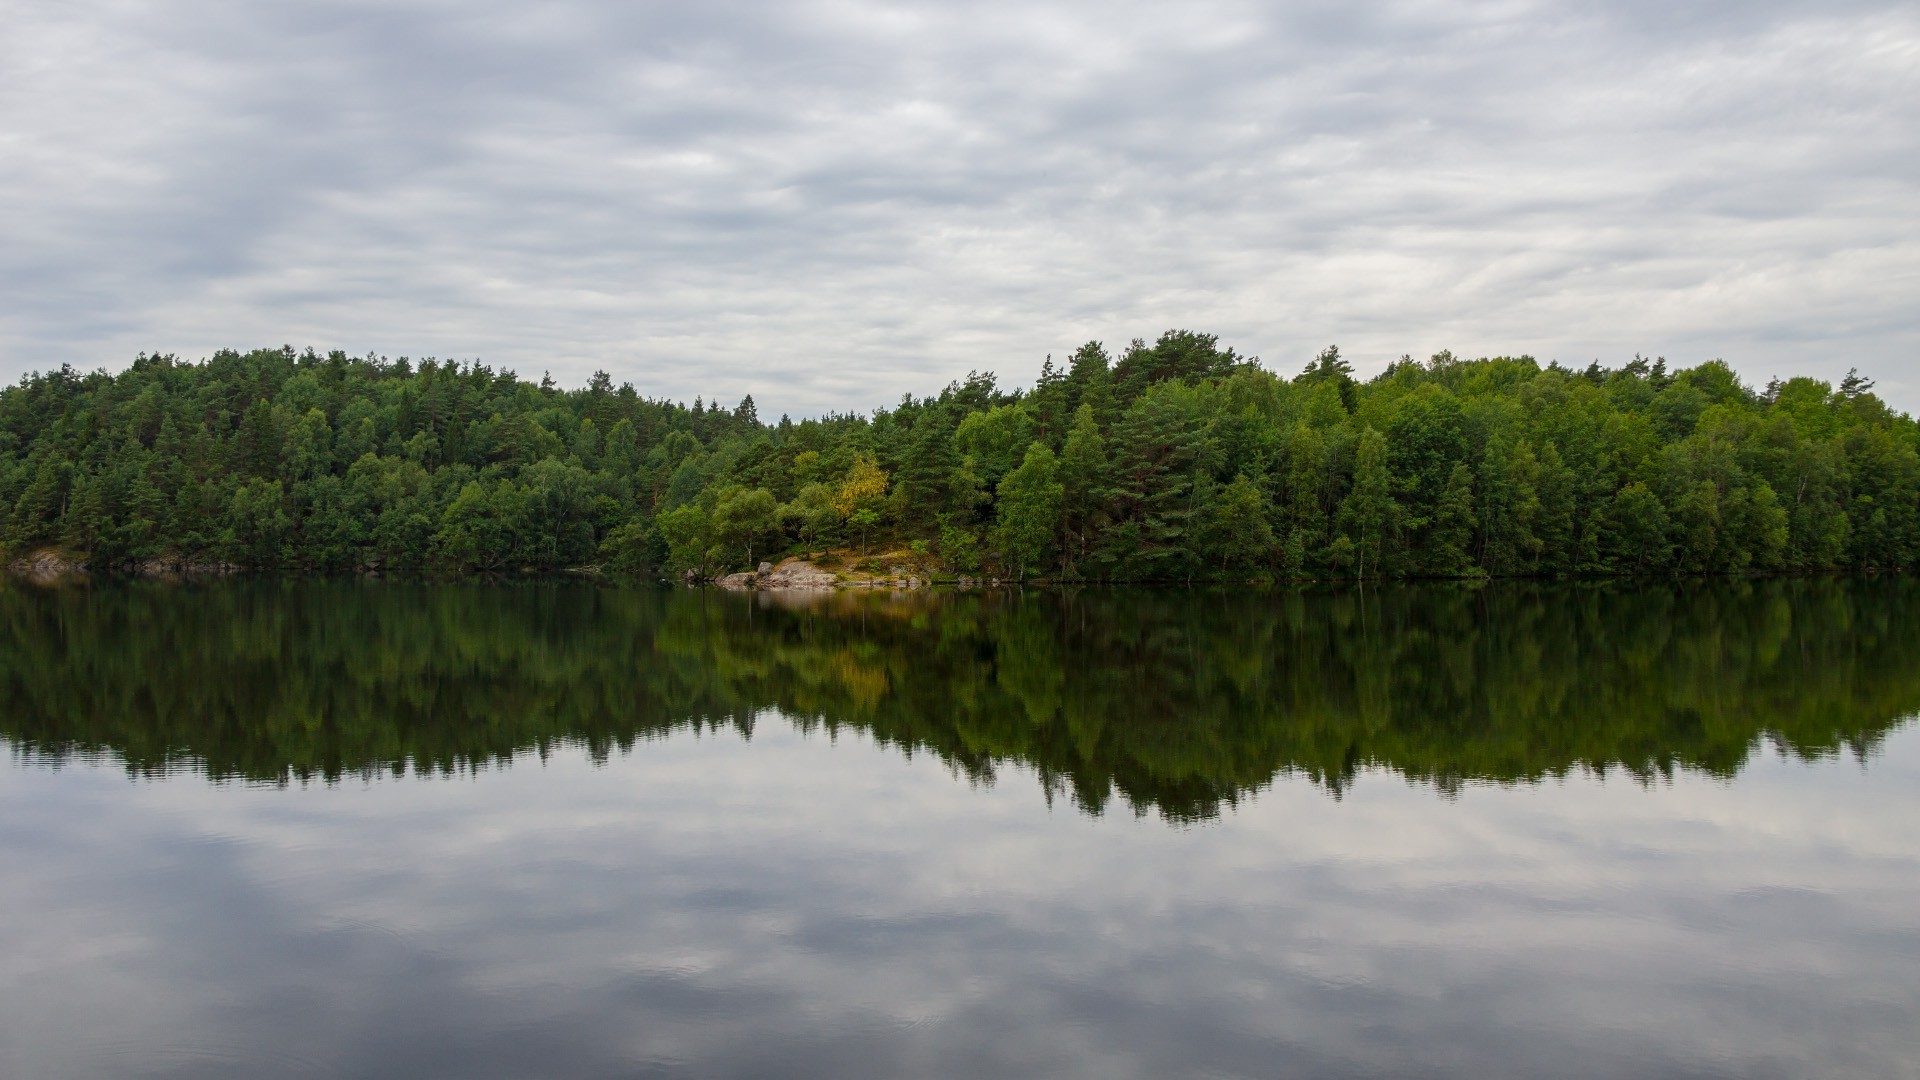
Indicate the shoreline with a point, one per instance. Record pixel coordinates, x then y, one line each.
798 575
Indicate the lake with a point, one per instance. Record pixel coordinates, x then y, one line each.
370 829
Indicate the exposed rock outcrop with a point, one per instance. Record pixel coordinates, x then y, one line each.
789 574
799 574
47 564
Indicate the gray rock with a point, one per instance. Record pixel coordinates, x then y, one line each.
797 574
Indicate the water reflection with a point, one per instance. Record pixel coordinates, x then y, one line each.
589 869
1176 701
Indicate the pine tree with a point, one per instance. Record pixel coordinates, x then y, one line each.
926 469
1090 381
1048 403
1155 448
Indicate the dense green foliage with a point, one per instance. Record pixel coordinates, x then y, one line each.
1179 461
1179 701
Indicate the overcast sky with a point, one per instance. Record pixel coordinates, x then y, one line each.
831 203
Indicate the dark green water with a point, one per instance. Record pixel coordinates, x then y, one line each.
368 829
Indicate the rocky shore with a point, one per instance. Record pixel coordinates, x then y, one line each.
49 564
789 575
799 574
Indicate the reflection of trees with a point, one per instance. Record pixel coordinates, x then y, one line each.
1178 701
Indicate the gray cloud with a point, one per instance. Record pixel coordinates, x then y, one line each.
830 203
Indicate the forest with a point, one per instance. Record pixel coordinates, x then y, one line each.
1178 461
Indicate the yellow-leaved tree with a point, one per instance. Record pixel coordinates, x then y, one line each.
861 496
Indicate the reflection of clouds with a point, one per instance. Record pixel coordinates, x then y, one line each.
870 200
715 907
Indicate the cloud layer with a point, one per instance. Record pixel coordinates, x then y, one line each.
831 203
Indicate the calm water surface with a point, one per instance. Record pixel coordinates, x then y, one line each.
375 830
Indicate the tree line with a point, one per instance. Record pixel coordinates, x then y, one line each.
1179 460
1179 702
